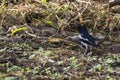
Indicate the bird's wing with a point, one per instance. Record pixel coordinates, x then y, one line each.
88 39
92 40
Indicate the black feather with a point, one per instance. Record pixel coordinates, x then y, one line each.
85 37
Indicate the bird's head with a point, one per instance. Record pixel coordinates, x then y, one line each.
82 29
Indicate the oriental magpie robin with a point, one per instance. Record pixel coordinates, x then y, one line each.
85 38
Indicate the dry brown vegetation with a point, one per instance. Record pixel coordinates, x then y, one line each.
34 41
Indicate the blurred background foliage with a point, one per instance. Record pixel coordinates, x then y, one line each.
33 43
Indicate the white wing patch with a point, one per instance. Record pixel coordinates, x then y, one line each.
86 39
83 38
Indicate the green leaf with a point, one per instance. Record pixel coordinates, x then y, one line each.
1 76
99 67
2 65
18 29
44 1
10 78
52 24
32 56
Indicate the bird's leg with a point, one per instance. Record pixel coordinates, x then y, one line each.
90 52
91 48
86 49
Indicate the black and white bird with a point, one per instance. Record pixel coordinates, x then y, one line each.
85 38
